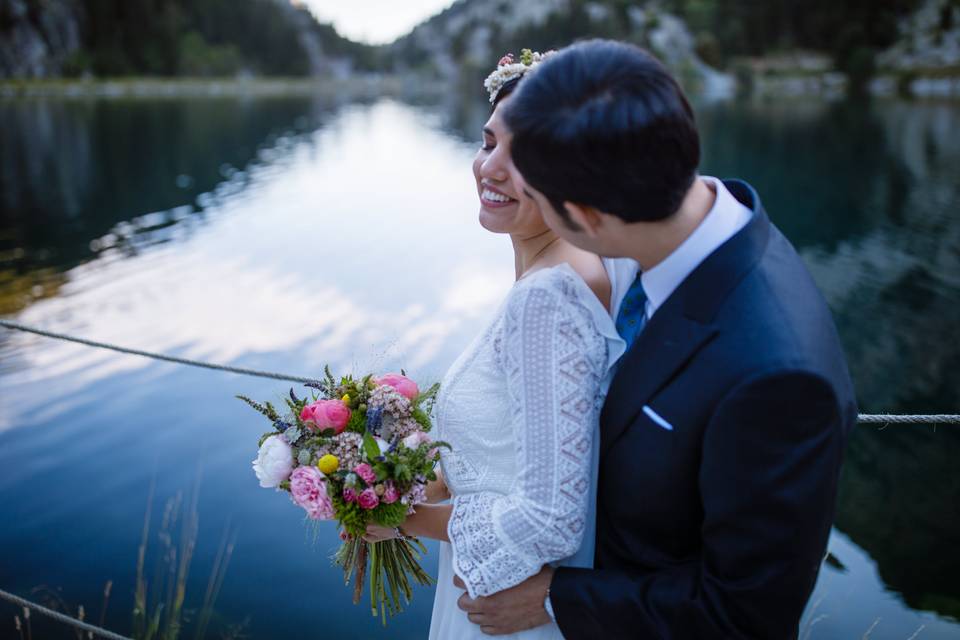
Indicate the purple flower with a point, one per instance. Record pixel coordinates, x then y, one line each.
308 488
349 494
415 496
374 420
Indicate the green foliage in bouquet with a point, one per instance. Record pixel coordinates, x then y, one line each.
352 518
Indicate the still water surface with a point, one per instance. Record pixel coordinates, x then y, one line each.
288 233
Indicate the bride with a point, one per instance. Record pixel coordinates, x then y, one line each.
520 406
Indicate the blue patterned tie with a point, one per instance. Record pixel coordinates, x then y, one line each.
633 312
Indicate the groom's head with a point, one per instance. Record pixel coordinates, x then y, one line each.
602 126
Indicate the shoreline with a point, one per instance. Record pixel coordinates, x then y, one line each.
200 87
764 84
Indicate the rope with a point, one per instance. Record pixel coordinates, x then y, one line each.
16 326
889 418
864 418
61 617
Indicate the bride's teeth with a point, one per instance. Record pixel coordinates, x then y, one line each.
495 197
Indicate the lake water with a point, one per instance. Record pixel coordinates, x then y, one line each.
288 233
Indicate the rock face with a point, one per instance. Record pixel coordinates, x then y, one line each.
929 39
926 57
470 36
37 38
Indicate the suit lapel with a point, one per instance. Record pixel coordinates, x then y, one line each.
663 347
684 323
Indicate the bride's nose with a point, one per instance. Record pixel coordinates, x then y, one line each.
494 167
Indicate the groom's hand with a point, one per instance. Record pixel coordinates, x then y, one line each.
510 610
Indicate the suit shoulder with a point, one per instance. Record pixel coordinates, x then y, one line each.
776 318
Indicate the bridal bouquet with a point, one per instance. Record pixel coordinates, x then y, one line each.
357 451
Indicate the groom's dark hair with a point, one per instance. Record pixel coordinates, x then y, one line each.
604 124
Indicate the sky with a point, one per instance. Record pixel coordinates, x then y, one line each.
375 21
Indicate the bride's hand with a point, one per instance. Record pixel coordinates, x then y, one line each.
437 490
376 533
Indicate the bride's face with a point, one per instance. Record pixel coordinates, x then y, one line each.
503 209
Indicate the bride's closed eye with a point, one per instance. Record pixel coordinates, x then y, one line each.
488 142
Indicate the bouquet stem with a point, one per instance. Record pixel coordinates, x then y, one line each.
361 569
392 565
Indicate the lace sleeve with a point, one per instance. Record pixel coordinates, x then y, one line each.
553 359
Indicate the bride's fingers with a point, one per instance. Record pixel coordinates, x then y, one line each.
377 533
457 582
466 603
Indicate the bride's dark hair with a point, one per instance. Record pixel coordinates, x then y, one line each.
505 90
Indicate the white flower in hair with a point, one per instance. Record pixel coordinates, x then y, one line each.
507 70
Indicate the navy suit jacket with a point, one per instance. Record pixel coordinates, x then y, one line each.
717 527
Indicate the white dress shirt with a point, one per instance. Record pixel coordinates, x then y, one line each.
726 217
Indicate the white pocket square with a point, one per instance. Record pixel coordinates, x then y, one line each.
656 417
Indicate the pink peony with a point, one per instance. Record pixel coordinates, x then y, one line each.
403 385
368 499
365 471
326 414
308 488
349 494
390 494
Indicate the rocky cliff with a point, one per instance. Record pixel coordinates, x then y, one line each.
467 39
38 38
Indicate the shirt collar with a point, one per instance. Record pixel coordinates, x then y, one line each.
723 221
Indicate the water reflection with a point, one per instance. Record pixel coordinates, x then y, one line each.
308 234
71 170
288 233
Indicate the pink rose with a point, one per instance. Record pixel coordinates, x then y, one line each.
365 471
308 488
390 494
402 384
326 414
416 439
349 494
368 499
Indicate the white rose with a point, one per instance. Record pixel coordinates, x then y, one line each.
274 462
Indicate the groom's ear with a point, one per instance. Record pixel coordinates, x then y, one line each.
584 217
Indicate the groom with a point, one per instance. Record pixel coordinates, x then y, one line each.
725 426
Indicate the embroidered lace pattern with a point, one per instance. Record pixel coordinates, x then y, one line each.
520 496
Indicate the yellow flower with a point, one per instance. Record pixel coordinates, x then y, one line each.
328 464
345 399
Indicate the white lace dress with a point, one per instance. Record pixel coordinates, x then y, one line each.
520 408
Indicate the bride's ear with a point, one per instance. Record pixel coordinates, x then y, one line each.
585 218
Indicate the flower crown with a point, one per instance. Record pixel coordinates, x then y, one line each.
507 70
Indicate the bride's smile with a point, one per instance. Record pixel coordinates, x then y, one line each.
493 198
502 210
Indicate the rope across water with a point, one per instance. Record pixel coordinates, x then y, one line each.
864 418
16 326
61 617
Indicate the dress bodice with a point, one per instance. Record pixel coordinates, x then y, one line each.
520 410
